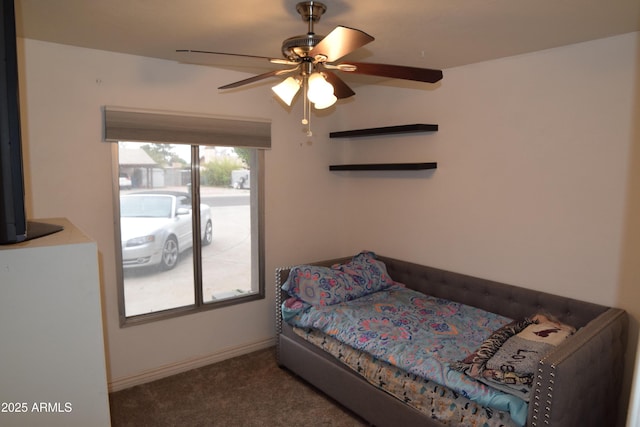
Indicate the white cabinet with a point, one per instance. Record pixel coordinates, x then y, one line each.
52 358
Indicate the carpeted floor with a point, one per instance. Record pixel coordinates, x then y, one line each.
247 391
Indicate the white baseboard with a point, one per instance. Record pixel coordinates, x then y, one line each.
186 365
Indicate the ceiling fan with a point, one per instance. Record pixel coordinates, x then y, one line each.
312 59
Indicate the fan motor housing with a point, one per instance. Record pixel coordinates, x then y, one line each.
298 47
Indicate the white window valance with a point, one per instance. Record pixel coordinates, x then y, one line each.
122 124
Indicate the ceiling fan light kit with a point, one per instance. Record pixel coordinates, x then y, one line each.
314 57
325 103
287 89
320 91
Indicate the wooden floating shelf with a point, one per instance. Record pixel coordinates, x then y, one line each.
420 127
385 167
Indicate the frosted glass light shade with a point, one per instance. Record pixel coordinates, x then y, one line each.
326 103
320 91
287 89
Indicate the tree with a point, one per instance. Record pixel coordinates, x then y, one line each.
218 172
162 154
244 154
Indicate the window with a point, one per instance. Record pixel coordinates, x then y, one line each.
189 219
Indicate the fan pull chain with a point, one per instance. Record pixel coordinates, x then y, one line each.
306 107
309 133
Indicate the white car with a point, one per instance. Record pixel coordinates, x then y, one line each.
155 227
125 181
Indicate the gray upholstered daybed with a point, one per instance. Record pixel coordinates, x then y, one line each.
577 384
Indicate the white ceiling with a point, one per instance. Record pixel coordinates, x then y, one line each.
421 33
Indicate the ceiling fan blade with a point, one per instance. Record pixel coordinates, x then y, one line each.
258 78
339 42
340 88
396 71
272 60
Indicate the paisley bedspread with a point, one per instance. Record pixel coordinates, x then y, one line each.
415 332
438 402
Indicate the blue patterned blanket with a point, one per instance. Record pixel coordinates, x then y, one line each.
415 332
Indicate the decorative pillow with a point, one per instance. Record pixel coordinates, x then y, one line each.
315 285
509 382
474 364
508 358
522 352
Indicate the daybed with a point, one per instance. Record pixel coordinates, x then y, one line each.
577 383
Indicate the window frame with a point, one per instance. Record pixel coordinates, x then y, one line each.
199 305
